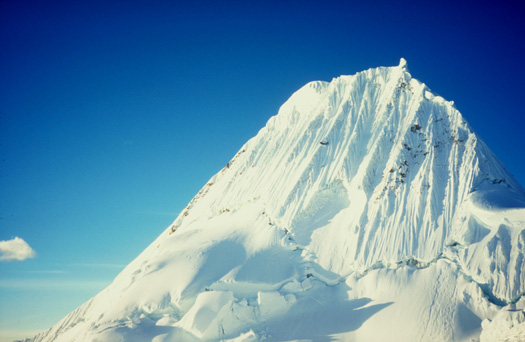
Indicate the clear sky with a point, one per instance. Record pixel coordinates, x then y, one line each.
114 114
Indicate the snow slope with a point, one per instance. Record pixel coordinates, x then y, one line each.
366 210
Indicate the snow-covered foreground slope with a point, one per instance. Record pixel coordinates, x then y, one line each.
366 210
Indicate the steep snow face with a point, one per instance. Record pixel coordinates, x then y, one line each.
357 190
368 168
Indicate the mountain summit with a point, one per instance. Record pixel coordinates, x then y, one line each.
366 210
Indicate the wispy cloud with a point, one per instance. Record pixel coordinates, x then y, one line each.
54 284
15 250
99 265
47 272
18 335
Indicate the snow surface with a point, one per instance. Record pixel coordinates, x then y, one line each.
366 210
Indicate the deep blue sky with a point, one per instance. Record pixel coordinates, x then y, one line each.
112 116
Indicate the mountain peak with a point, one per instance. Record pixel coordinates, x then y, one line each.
403 63
362 198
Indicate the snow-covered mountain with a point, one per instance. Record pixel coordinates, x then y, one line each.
366 210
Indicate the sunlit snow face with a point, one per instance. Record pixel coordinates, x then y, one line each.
361 205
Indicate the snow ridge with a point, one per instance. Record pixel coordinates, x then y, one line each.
358 190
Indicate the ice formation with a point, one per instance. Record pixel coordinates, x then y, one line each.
366 210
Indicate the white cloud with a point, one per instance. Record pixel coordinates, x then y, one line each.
54 284
15 249
100 265
47 272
